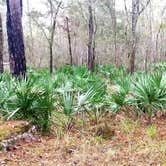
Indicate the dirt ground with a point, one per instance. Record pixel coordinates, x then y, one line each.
119 142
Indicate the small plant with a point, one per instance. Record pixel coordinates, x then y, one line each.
151 132
118 98
128 127
67 103
99 140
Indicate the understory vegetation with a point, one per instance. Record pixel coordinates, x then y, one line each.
82 83
74 92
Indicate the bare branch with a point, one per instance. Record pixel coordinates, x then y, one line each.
144 7
41 28
126 11
54 22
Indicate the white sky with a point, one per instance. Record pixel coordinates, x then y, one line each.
157 5
38 4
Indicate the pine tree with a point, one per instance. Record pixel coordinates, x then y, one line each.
15 38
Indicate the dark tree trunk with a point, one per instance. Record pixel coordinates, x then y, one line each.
69 41
1 46
91 44
15 38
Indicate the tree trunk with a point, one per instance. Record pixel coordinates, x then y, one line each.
1 46
136 12
69 41
146 62
51 58
133 36
53 26
112 10
30 29
91 44
15 38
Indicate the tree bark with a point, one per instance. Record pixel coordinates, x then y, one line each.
54 20
133 36
91 44
51 58
136 12
112 11
1 45
15 38
69 41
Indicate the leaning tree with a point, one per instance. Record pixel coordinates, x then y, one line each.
15 38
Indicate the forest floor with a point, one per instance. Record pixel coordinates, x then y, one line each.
115 141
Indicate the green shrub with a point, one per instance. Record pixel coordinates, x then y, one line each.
74 90
150 93
111 72
159 67
29 100
119 98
